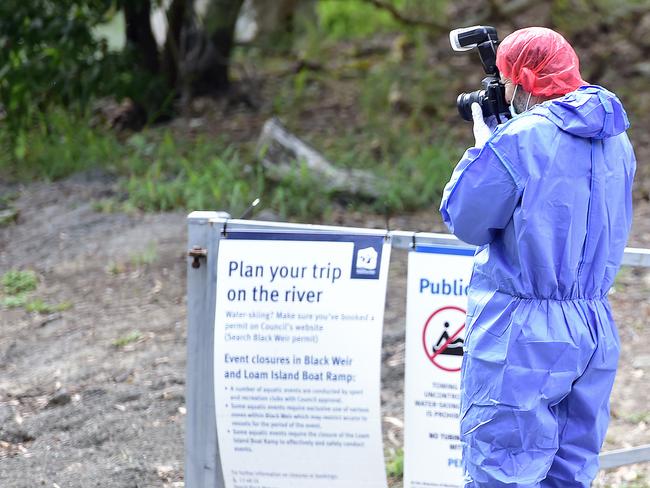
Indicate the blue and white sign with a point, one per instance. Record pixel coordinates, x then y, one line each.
297 359
438 279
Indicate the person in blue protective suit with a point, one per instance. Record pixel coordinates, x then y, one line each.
547 198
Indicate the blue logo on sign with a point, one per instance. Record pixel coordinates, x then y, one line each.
366 259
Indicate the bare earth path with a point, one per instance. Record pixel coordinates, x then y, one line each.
94 395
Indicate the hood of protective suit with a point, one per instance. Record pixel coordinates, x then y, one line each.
590 111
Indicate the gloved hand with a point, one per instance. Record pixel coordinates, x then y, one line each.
481 130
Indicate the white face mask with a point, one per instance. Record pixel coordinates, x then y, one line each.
513 111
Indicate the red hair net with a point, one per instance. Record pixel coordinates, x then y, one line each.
540 60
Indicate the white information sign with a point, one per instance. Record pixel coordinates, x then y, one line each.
297 359
435 329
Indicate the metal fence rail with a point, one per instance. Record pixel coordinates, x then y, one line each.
204 231
400 239
621 457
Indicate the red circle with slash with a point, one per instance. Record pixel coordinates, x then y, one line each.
433 356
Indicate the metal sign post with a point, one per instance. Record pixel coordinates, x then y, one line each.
202 465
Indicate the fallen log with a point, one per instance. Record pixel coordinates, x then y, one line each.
280 150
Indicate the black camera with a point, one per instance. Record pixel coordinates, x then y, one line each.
492 97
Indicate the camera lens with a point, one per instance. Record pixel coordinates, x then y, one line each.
465 101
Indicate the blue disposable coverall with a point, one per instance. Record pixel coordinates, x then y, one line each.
548 200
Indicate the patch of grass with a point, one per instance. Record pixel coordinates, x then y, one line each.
18 282
115 268
622 277
168 175
395 465
7 198
140 259
57 144
104 205
638 417
131 337
161 172
412 170
356 19
417 179
198 174
107 205
8 216
17 286
396 141
145 257
39 306
14 301
114 205
300 195
406 137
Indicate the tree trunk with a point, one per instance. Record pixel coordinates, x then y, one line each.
270 22
139 35
176 17
206 49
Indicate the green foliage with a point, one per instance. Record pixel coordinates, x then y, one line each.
418 177
300 195
395 465
638 417
622 279
48 56
16 285
160 171
57 144
107 205
39 306
402 134
574 16
197 175
145 257
353 19
131 337
207 176
412 170
14 301
135 261
8 215
16 282
115 268
7 198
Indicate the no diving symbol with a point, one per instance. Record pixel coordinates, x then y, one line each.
442 337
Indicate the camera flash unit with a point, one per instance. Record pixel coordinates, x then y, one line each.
467 38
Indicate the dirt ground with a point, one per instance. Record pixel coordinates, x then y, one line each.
94 395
